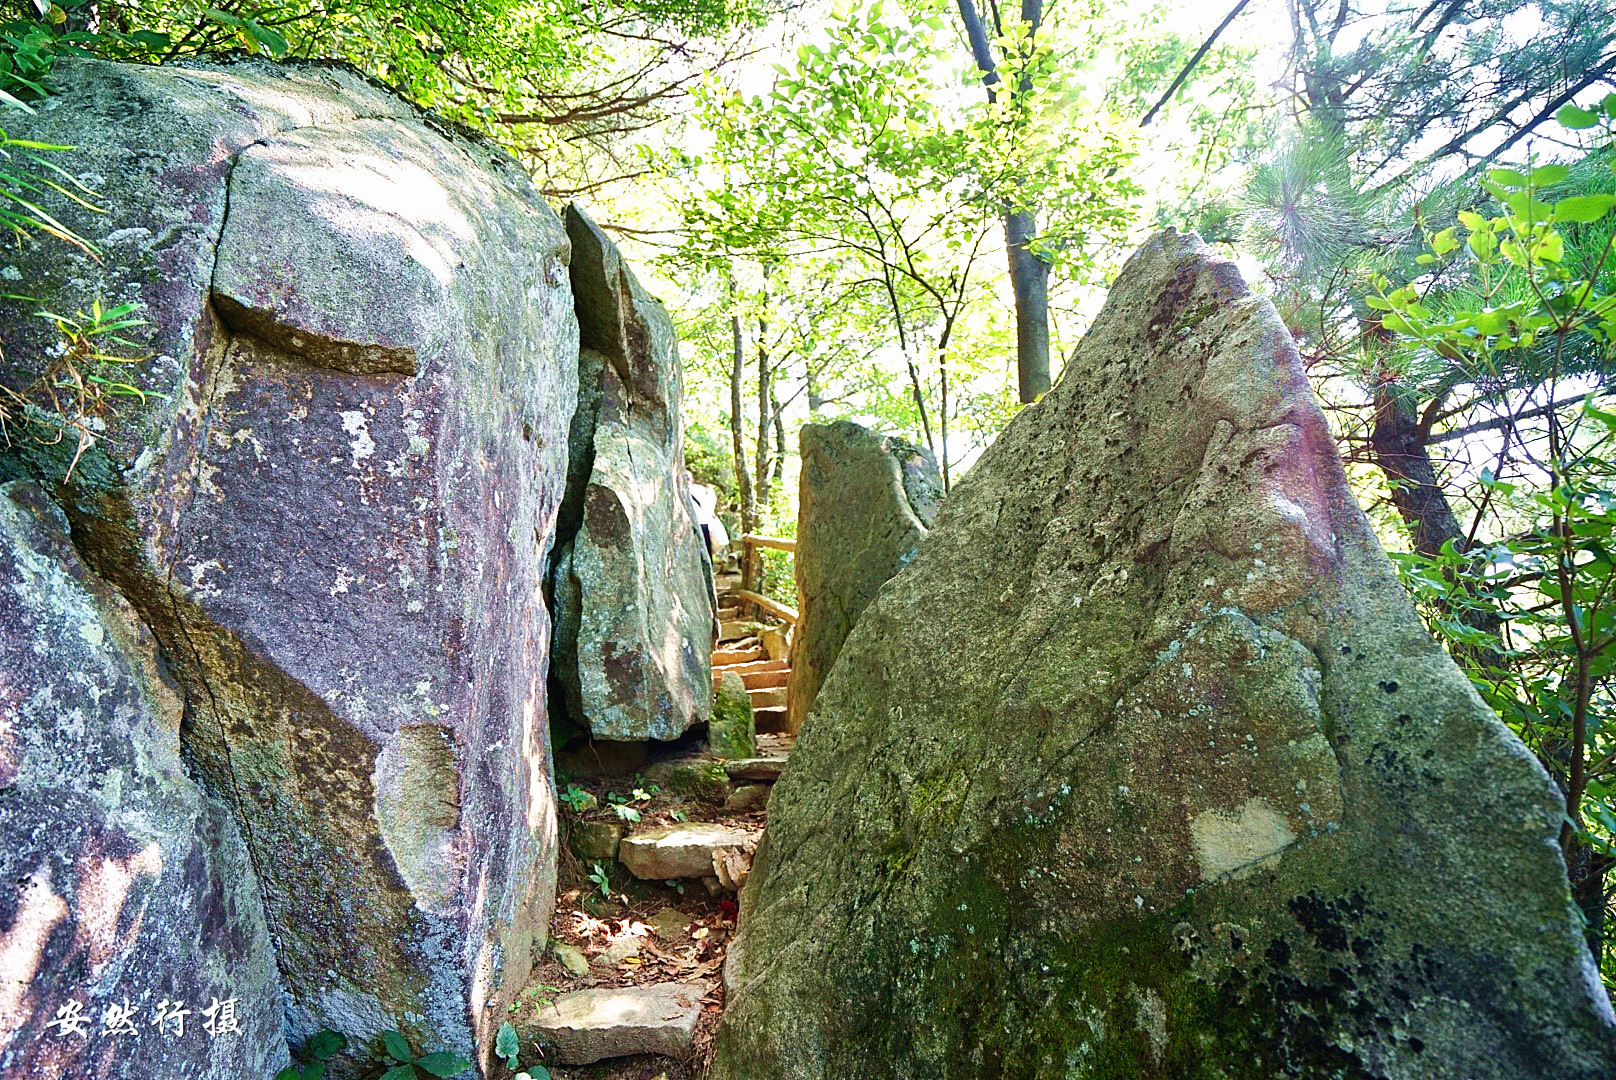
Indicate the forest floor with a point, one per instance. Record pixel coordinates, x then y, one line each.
629 932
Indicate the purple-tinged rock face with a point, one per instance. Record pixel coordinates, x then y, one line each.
335 518
127 892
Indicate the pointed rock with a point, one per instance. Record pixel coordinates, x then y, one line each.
1145 767
864 504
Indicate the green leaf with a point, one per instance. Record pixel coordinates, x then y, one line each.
271 40
1583 208
1509 178
1576 118
398 1047
325 1045
443 1063
223 18
291 1072
506 1044
1548 175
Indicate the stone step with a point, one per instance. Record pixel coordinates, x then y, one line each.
730 657
766 697
756 674
763 680
736 629
758 770
770 720
592 1025
687 850
728 614
747 667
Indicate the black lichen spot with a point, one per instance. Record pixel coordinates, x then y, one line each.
1389 685
1326 921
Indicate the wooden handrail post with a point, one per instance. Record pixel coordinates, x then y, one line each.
751 572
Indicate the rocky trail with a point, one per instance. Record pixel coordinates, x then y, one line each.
631 986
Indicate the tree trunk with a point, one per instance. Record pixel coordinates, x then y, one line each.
942 414
765 406
779 474
737 434
1029 275
816 399
1029 280
1402 452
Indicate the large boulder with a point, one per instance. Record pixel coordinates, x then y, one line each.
1144 767
129 890
333 505
864 504
632 581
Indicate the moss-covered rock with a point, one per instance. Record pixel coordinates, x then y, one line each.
594 839
864 504
1145 768
701 779
731 733
632 579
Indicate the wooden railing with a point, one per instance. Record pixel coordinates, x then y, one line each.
776 542
749 575
764 603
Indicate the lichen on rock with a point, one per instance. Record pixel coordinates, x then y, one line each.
731 732
1144 767
864 504
333 507
631 581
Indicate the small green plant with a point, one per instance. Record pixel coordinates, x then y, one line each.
602 879
679 815
406 1066
576 798
626 813
508 1047
79 385
311 1061
27 177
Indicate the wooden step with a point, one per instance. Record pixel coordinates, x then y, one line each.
777 677
752 680
747 667
729 657
771 720
766 697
